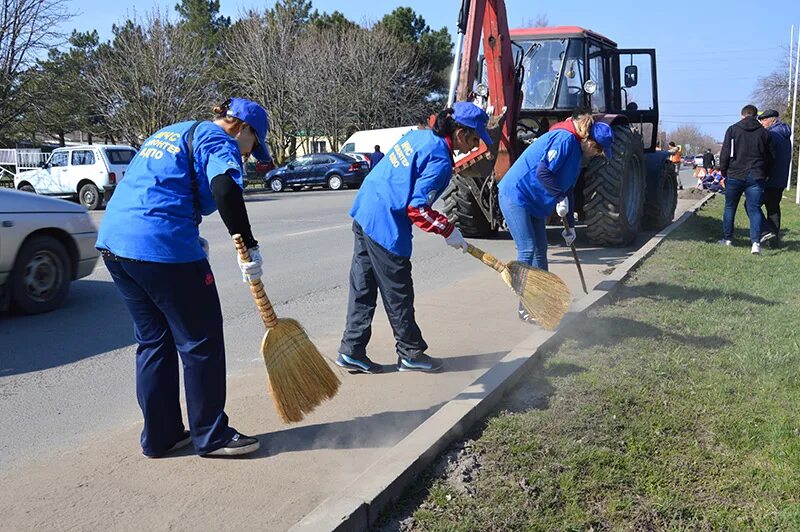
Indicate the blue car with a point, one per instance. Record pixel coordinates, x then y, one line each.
328 170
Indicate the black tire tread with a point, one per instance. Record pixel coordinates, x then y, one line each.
461 209
606 225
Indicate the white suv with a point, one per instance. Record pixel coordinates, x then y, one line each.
88 172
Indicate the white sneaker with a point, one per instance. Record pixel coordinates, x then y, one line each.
756 249
725 242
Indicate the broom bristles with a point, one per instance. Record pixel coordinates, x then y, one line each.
299 377
543 294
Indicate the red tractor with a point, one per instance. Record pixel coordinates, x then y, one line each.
537 77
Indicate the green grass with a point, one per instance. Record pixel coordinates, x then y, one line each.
677 407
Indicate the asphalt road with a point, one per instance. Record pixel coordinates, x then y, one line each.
67 376
69 373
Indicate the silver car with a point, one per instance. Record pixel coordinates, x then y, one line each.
45 243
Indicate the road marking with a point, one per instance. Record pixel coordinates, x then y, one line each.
319 230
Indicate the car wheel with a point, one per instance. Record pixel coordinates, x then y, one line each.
276 184
335 182
90 197
27 188
41 275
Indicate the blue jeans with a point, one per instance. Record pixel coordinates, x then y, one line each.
529 234
753 190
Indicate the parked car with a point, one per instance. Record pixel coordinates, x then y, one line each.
698 161
688 161
89 173
358 156
330 170
46 244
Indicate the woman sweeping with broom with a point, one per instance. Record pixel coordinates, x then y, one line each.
543 179
151 245
397 193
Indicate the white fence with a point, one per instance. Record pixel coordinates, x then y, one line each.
24 159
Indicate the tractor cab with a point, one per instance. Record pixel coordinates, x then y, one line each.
567 67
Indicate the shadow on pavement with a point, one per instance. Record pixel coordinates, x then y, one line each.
92 321
383 429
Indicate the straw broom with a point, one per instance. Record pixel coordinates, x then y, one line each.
544 294
299 378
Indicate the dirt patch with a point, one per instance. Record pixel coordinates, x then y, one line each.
692 193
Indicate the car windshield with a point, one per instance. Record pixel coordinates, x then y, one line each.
543 62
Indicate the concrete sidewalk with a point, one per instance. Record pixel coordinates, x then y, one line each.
108 484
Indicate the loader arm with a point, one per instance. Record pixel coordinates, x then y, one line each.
486 22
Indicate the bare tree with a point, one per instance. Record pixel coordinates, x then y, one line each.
541 21
151 75
390 86
772 90
27 29
690 135
262 64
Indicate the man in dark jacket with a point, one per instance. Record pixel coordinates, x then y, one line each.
778 177
708 161
745 162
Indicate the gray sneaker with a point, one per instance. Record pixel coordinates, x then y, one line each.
725 242
423 363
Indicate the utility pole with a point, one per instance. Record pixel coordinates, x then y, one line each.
791 43
794 116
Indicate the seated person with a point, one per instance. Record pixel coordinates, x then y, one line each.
700 175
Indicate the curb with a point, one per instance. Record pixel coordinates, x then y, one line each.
360 504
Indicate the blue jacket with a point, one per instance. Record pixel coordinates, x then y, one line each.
375 158
545 174
414 173
781 139
151 215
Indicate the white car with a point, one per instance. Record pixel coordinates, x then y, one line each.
45 243
88 172
698 161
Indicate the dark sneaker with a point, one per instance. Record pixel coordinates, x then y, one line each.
423 363
184 440
358 365
524 315
238 445
767 236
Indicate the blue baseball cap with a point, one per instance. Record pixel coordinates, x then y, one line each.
470 115
602 134
256 117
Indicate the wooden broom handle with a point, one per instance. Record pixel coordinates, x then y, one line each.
268 315
486 258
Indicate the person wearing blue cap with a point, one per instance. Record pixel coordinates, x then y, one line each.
396 195
151 245
543 179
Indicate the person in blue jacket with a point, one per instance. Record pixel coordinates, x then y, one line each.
778 176
543 179
151 245
375 157
397 194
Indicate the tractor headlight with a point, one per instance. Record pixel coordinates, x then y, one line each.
590 87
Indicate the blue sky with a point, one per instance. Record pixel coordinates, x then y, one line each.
710 52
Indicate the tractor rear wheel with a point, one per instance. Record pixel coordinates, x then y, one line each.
614 194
